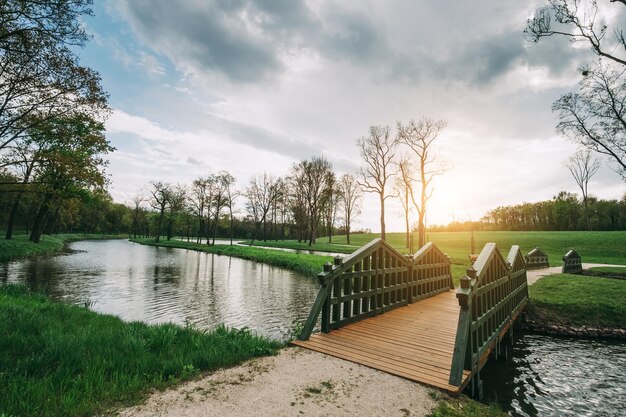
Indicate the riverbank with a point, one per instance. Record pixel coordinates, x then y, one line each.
320 246
21 247
309 265
577 305
64 360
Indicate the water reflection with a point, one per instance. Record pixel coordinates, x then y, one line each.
551 376
158 285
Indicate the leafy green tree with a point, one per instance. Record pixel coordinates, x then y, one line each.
40 75
71 163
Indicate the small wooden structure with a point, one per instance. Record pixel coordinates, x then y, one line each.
425 335
572 263
536 259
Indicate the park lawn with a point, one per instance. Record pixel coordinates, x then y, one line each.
593 247
321 245
63 360
309 265
21 247
610 269
578 300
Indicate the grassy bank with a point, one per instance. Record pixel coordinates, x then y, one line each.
574 300
463 406
21 247
321 246
594 247
309 265
64 360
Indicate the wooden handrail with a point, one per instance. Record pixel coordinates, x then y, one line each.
491 297
374 279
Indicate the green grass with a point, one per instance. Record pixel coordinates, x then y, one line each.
309 265
575 300
594 247
610 270
463 406
21 247
322 245
64 360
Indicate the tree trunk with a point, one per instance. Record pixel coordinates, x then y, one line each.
158 232
230 209
383 235
35 235
587 219
14 208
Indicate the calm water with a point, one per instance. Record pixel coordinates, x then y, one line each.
553 376
158 285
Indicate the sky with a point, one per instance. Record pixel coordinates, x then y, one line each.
255 86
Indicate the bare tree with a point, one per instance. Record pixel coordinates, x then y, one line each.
594 118
377 152
223 182
577 20
350 193
583 166
261 193
331 207
160 200
419 137
137 202
403 188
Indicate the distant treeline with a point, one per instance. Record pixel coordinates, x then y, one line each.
308 202
563 212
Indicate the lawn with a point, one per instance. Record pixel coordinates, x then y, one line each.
21 247
65 360
576 300
593 247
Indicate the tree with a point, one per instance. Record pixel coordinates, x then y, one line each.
318 178
582 165
176 204
377 153
39 73
70 162
261 193
160 201
403 186
331 197
419 137
222 184
137 211
595 117
350 198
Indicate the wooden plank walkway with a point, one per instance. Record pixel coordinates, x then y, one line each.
415 342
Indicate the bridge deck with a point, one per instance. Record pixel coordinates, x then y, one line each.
415 342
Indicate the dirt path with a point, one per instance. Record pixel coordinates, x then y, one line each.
534 274
296 382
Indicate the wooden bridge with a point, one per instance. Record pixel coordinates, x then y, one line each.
429 333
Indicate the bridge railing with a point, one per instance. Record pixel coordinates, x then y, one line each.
374 279
491 296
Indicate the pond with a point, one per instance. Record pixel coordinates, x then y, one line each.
557 376
157 285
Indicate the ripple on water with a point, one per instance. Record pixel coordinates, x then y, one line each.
553 376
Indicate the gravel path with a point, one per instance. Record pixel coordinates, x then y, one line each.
296 382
